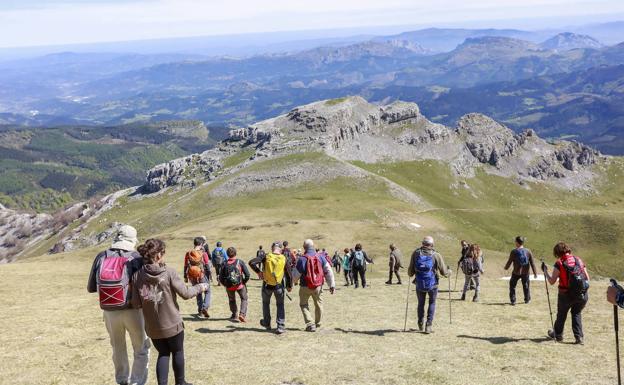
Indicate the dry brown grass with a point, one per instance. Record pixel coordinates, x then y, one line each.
53 333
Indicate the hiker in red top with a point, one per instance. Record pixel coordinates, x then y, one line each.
197 270
313 269
234 276
573 284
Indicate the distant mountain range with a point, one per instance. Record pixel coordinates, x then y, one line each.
527 79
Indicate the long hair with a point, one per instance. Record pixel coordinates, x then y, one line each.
475 251
150 250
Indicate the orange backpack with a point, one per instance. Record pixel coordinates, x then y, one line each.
196 262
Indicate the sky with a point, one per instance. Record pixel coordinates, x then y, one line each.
55 22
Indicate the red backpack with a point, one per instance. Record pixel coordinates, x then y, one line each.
314 276
113 280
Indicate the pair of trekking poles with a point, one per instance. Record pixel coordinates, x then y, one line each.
409 281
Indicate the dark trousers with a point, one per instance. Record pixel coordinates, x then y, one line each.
422 297
172 346
396 272
217 268
575 307
525 287
242 293
337 267
362 274
348 276
267 292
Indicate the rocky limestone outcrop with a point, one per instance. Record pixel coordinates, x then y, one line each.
182 172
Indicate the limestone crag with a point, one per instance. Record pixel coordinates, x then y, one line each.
182 172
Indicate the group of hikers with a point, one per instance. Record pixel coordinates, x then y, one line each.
138 291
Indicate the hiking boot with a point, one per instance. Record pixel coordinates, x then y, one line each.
205 313
420 326
399 283
356 285
280 330
513 303
428 329
388 282
184 383
241 318
551 334
310 328
463 297
579 341
265 325
233 317
475 298
527 301
346 284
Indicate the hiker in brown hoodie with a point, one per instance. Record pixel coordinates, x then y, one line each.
394 264
155 290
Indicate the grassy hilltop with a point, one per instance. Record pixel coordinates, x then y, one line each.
54 333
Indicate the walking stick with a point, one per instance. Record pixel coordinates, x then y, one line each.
450 303
409 281
616 326
552 323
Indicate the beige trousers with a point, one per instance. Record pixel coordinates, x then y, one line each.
118 322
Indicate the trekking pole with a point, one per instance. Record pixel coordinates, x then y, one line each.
409 281
450 303
552 323
616 326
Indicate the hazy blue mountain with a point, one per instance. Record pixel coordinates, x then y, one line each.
567 40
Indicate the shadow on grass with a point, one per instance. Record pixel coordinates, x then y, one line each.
202 319
505 340
496 303
380 333
231 329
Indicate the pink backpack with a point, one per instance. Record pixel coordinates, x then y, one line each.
113 280
314 276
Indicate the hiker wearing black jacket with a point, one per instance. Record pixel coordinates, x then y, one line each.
359 258
521 258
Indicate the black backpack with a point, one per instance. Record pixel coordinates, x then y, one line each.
577 281
231 274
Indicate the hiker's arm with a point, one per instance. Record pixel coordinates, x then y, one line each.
186 292
92 283
410 269
532 265
186 267
135 300
509 261
299 269
366 257
329 276
288 278
441 265
552 278
246 274
208 267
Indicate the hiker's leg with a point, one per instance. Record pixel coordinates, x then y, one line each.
433 294
354 276
117 333
232 302
422 296
317 297
244 300
396 272
363 276
467 279
135 325
304 304
281 312
563 306
512 287
266 304
176 345
577 322
162 364
208 295
526 282
477 281
346 275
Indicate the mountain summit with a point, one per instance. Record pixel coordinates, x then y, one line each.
567 41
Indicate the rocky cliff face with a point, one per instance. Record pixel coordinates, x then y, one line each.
353 129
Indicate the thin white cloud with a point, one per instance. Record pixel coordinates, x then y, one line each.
67 21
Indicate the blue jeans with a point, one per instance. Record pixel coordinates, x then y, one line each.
422 296
267 293
203 299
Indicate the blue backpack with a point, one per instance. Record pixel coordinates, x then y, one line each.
425 277
358 259
522 256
